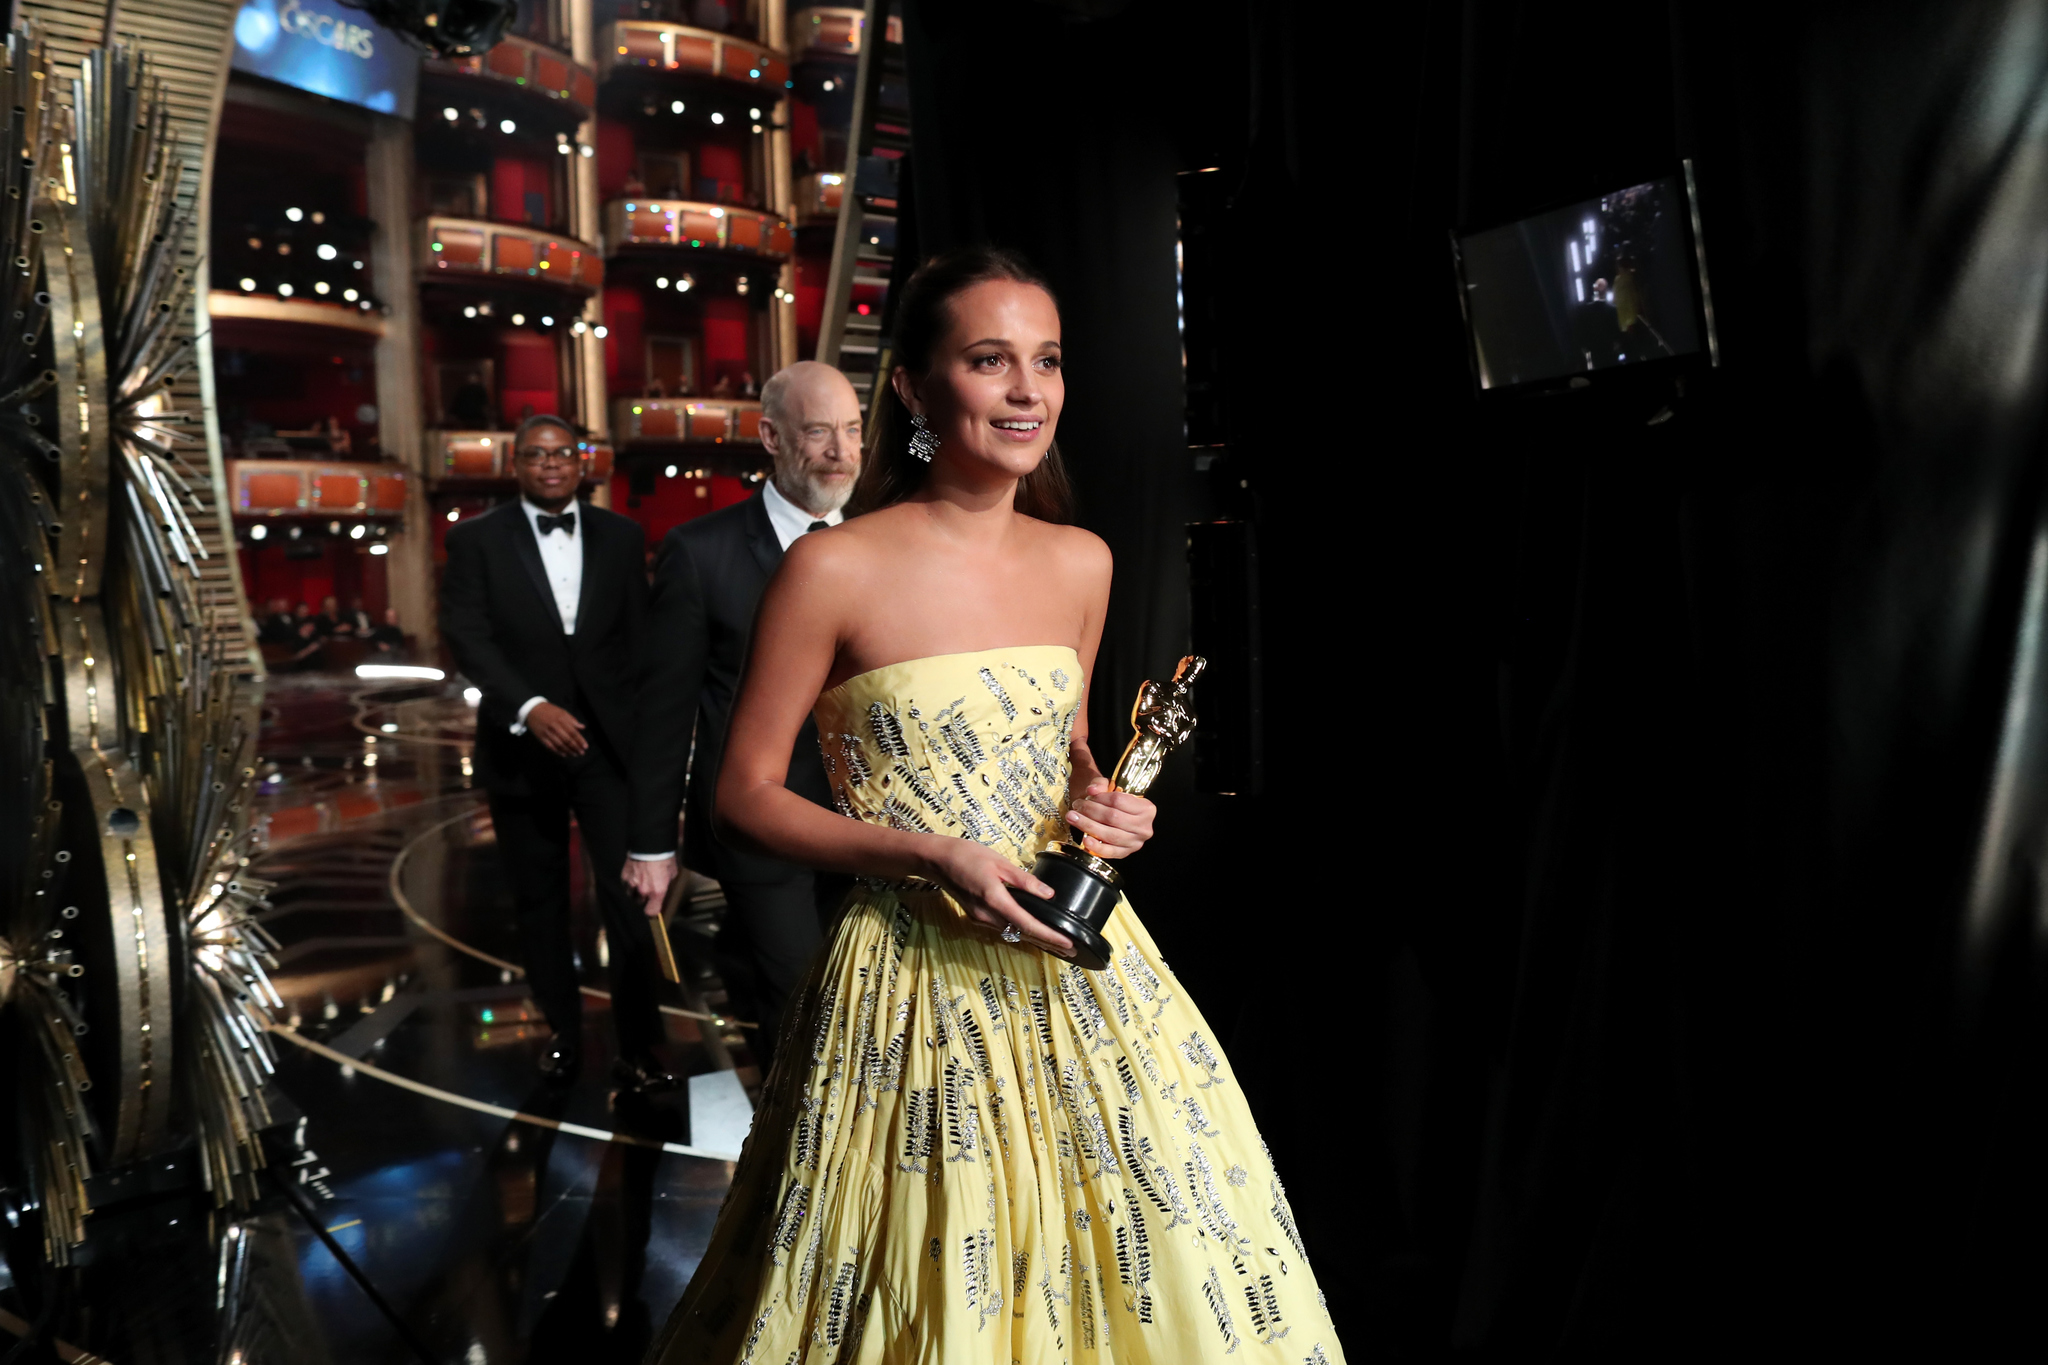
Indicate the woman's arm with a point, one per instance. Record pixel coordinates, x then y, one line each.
803 618
1110 824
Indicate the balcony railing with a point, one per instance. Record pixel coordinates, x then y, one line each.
226 305
707 421
826 31
818 196
487 455
530 68
316 488
470 248
650 45
641 222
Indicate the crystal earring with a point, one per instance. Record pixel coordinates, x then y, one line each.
924 442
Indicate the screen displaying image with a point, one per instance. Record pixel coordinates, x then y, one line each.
318 45
1604 283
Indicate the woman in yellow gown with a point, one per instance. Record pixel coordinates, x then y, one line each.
971 1151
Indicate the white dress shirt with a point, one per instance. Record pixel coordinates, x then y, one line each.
790 522
561 558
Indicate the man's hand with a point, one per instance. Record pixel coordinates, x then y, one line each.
557 729
650 878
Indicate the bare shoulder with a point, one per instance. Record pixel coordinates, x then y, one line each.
1078 553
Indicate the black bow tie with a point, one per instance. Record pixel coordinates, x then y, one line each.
818 526
565 522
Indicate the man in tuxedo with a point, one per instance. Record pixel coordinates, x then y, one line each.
544 603
709 579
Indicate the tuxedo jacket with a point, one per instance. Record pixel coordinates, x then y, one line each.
499 617
708 582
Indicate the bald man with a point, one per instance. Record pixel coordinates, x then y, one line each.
706 585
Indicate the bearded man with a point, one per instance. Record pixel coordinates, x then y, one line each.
707 582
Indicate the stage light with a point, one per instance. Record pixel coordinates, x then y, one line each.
333 528
420 671
349 294
670 471
717 212
757 127
562 147
450 115
718 118
661 281
473 695
248 285
284 291
577 327
320 286
586 149
294 214
506 125
519 319
380 548
828 85
547 322
469 312
683 284
676 108
297 532
325 252
600 331
357 531
454 514
258 531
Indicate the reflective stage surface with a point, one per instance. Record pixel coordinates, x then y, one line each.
489 1239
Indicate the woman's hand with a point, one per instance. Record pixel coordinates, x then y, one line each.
1111 824
981 880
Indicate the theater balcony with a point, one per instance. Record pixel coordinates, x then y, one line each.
555 88
458 250
654 423
478 458
828 31
817 197
648 49
255 314
659 224
346 490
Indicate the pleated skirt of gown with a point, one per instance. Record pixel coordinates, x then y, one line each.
973 1153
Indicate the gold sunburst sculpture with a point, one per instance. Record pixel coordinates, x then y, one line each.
140 790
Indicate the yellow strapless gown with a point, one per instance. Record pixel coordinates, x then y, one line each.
970 1151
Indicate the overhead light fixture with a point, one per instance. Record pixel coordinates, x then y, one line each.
470 311
661 281
670 471
320 286
325 252
718 118
380 548
450 115
294 215
547 322
349 294
506 125
259 531
676 108
455 514
600 331
473 695
248 285
284 291
519 319
586 149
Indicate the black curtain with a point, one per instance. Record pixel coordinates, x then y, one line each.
1637 951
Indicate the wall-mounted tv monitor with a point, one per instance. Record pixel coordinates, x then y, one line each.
1611 282
320 46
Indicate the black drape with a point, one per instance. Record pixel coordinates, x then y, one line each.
1637 950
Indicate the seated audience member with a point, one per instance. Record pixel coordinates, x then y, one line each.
388 638
329 619
723 387
278 626
356 620
312 652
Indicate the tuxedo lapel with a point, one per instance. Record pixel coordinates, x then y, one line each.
761 535
586 540
523 545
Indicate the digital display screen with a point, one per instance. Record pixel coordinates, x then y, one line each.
319 46
1608 282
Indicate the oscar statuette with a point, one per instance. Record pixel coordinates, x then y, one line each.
1085 887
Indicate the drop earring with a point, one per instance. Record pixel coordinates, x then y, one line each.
924 442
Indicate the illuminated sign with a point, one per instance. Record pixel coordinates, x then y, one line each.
319 46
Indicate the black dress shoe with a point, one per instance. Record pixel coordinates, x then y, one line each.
560 1062
643 1077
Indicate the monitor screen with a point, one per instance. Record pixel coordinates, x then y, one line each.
318 45
1608 282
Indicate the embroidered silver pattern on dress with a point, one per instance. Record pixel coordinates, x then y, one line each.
995 688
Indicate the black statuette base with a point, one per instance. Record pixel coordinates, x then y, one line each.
1080 904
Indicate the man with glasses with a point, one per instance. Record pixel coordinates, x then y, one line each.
544 603
710 577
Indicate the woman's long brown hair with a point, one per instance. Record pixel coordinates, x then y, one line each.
889 472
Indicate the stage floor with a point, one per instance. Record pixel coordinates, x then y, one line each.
491 1239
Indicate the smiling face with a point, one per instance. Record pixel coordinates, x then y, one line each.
994 390
547 467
